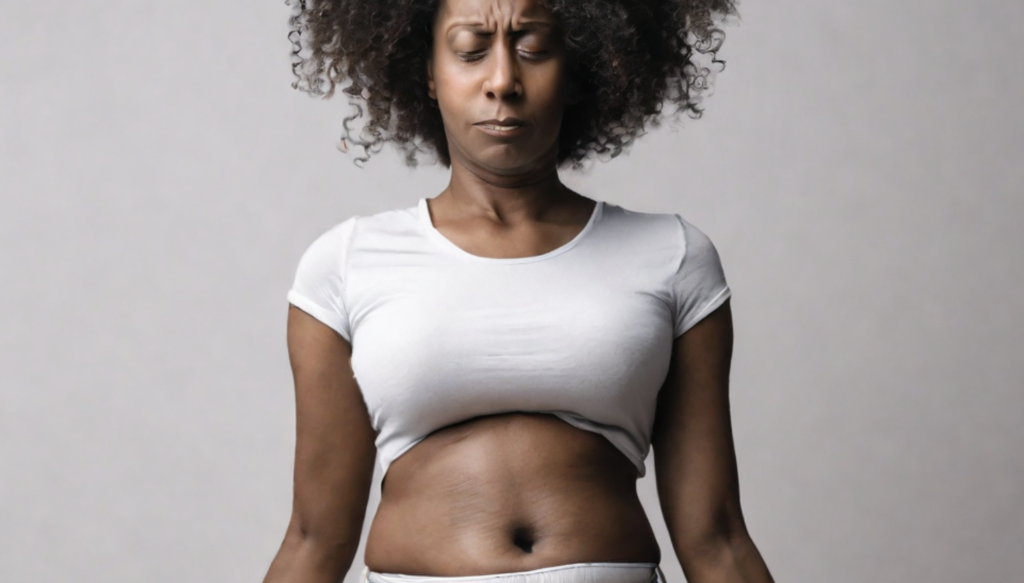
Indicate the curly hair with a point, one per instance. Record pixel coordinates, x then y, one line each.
629 58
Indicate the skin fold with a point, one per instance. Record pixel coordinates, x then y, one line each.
510 492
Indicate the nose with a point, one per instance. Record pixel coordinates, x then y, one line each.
503 80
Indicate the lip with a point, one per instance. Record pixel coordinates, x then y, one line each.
505 127
505 121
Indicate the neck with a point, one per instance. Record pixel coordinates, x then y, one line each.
505 197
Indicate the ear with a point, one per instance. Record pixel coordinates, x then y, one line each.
431 86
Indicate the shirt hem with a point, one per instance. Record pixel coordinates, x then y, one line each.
715 302
323 315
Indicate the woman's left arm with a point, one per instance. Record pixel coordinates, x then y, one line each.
695 460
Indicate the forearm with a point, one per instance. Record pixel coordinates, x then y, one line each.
309 560
723 560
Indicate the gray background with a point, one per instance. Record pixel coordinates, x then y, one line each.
859 169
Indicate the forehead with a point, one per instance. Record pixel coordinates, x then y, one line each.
492 13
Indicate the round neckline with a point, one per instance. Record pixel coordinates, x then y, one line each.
428 225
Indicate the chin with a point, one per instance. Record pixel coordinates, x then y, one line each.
507 160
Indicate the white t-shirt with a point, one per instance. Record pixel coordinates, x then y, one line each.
439 335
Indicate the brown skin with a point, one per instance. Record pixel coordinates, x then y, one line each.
510 492
494 59
334 457
695 459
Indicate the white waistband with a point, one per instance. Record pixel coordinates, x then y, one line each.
572 573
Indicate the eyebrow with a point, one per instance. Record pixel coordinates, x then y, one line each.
479 27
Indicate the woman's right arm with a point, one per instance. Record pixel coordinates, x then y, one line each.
334 457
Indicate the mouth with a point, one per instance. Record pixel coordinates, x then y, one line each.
503 123
498 128
502 127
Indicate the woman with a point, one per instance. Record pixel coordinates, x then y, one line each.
511 348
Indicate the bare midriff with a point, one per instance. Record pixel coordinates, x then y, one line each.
507 493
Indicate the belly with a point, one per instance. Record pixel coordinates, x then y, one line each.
507 493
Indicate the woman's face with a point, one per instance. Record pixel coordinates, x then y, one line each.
498 74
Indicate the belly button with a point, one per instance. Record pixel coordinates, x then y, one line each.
523 538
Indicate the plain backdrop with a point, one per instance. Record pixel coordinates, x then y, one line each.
859 168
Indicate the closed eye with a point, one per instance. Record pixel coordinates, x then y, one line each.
471 55
535 55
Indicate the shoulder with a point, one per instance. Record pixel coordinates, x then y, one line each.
388 221
326 252
337 234
341 236
654 231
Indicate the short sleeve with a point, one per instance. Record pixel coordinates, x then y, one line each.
319 287
698 285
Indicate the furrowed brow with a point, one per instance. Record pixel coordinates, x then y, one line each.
480 29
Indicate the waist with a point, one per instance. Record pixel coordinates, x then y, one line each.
509 493
571 573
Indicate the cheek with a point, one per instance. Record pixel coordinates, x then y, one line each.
452 84
549 92
546 81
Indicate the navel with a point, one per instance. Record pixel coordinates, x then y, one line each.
523 538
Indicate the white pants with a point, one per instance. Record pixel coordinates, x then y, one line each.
574 573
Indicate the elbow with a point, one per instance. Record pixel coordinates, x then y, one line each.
716 543
326 542
309 552
723 552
